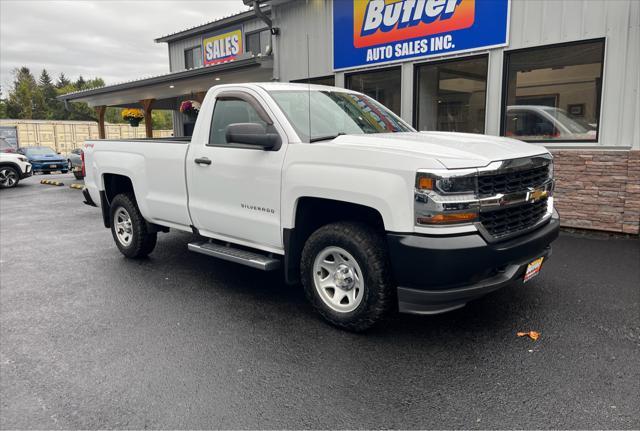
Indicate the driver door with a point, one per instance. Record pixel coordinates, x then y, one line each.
234 190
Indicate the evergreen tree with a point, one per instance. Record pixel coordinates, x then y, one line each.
53 107
25 100
62 81
80 83
3 106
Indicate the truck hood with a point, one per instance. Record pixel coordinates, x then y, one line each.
452 150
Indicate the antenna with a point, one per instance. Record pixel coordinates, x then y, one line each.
309 84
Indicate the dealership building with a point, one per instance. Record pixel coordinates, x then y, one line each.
562 74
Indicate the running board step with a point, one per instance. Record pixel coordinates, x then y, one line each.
244 257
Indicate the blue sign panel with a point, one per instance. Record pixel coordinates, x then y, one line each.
367 32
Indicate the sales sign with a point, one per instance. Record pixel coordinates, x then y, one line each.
369 32
221 47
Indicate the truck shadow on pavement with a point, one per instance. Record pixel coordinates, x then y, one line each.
265 294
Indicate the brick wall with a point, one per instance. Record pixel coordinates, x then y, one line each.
598 189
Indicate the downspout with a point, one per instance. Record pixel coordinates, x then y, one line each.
261 15
273 31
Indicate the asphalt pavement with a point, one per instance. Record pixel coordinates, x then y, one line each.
89 339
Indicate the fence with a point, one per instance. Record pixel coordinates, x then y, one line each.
64 136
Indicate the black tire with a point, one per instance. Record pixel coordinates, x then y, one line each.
46 172
142 241
10 177
369 249
78 175
64 172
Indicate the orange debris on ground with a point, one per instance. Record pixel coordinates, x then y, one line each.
531 334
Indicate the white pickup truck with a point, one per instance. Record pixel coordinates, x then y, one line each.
347 198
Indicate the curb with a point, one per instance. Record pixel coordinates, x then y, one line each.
76 186
51 182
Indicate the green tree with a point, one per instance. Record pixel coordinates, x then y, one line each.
162 119
62 81
3 106
80 83
26 100
53 107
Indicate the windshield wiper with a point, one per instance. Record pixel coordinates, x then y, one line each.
326 138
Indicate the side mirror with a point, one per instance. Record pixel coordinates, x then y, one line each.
253 134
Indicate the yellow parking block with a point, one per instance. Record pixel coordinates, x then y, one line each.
76 186
52 183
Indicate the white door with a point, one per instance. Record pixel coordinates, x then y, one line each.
234 190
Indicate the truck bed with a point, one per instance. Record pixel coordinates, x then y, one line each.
157 170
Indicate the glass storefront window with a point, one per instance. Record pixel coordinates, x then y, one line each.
451 95
382 85
553 92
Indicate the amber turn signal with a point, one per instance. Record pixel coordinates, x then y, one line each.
448 218
425 183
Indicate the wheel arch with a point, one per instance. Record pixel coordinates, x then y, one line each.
311 213
113 185
11 165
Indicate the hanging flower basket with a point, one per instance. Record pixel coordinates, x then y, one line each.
190 108
133 116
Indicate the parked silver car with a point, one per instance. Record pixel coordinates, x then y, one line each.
74 159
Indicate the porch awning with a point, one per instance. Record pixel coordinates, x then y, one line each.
166 89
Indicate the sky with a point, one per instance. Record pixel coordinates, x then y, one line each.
97 38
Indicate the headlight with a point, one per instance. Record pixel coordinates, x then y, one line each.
446 198
446 185
23 159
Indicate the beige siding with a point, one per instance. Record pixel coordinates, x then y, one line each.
64 136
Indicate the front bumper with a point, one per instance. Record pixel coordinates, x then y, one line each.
437 274
49 167
27 172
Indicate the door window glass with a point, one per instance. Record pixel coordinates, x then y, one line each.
230 111
451 95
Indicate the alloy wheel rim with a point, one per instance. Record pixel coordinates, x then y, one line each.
338 279
7 177
123 227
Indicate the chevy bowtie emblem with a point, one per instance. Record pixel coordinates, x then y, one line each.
537 195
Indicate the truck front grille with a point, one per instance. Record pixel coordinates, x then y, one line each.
504 222
509 182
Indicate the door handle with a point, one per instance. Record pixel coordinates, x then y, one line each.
203 161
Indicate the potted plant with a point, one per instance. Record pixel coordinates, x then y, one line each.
133 116
190 108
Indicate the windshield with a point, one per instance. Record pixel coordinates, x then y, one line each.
39 151
334 113
573 124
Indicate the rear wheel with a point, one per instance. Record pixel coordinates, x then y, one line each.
346 275
129 228
8 177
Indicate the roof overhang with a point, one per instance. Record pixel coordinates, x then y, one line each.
166 88
214 25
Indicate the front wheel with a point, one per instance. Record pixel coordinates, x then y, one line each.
346 275
8 177
129 228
